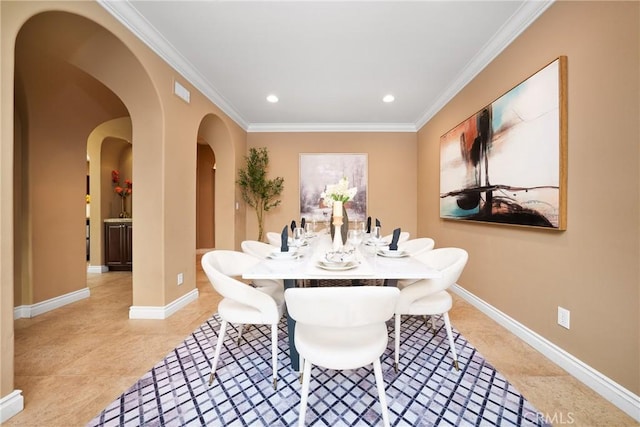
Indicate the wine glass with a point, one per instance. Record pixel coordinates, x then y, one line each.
355 237
361 226
375 235
298 237
309 228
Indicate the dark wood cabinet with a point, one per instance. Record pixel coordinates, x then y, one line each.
118 239
88 242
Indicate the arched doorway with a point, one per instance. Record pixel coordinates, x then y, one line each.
58 105
215 134
109 147
65 87
205 196
103 80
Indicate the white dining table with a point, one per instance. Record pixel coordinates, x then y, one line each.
304 265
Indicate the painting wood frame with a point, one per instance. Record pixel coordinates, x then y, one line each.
317 170
507 163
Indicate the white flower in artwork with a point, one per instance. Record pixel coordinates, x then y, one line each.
339 192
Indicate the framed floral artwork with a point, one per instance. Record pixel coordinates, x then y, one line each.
506 163
317 170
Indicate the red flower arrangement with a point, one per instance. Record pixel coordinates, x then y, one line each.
120 190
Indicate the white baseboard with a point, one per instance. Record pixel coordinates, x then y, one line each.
97 269
624 399
150 312
10 405
33 310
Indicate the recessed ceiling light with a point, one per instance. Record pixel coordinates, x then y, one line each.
272 98
388 98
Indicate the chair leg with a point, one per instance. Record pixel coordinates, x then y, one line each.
274 354
301 364
216 354
377 370
304 392
432 320
397 341
240 328
452 346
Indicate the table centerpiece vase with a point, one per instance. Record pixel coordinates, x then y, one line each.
337 222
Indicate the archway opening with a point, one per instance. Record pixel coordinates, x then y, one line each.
57 106
214 132
205 197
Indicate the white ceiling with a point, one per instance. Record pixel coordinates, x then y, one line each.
329 62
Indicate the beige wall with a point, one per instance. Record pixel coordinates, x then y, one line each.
392 174
592 268
164 134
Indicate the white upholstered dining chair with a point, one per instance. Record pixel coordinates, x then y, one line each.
242 303
341 328
414 247
274 239
404 236
260 250
429 297
417 246
256 248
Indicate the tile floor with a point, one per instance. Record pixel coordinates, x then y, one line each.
72 362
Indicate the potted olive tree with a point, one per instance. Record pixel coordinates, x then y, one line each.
257 191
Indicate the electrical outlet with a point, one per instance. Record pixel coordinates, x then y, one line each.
564 317
180 279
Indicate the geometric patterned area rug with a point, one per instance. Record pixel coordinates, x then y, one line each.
427 390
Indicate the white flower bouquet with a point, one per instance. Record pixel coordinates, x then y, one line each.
339 192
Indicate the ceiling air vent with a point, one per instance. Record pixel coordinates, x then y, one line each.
181 92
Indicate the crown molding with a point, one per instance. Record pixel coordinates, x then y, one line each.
129 16
331 127
126 14
519 21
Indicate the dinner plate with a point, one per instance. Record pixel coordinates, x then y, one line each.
284 255
337 267
392 254
371 242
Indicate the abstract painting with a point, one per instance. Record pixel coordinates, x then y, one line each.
507 163
319 170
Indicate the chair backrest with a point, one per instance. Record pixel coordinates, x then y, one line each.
450 262
221 265
231 263
341 307
274 238
417 246
256 248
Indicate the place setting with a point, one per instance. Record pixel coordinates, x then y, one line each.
392 250
375 236
339 260
290 248
289 255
